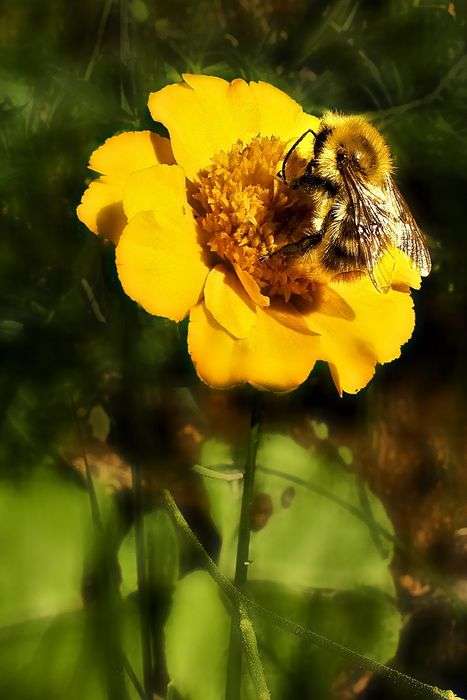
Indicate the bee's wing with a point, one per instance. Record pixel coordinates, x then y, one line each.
366 224
405 231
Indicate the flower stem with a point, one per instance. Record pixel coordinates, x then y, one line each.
145 630
243 545
238 598
248 636
234 664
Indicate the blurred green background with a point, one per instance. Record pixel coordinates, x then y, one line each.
93 386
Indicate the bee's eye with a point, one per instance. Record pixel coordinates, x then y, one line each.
341 155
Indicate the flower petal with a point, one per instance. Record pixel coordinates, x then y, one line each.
228 303
101 209
160 188
273 357
280 115
200 118
206 115
289 316
234 114
251 287
133 150
405 273
160 263
353 345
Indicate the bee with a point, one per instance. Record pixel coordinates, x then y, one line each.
358 213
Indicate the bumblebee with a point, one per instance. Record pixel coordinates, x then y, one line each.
358 213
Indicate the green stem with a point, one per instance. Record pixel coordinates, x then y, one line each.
93 502
145 629
127 82
234 665
111 603
98 43
133 678
250 646
238 598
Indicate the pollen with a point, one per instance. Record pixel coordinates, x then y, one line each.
246 212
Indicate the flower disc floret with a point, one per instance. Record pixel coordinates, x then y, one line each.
246 213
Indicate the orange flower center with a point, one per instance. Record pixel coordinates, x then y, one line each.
246 212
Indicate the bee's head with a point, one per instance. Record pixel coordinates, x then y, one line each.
351 143
356 152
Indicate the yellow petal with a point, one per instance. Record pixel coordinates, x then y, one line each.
226 300
290 316
328 301
280 115
234 115
160 263
206 115
101 209
251 287
273 357
396 270
200 119
353 346
405 273
160 188
133 150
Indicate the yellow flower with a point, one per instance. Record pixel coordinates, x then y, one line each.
192 216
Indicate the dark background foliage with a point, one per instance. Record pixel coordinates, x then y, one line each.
74 73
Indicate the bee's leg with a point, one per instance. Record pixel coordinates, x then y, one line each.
309 183
298 248
305 183
303 245
282 172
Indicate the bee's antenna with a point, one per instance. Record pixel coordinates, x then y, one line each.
282 173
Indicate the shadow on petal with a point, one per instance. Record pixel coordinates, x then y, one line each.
111 219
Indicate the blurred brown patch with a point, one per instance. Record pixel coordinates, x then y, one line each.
261 511
287 497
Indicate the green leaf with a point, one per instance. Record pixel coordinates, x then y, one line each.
44 537
73 655
197 638
363 620
318 557
37 658
162 547
198 628
52 559
316 529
